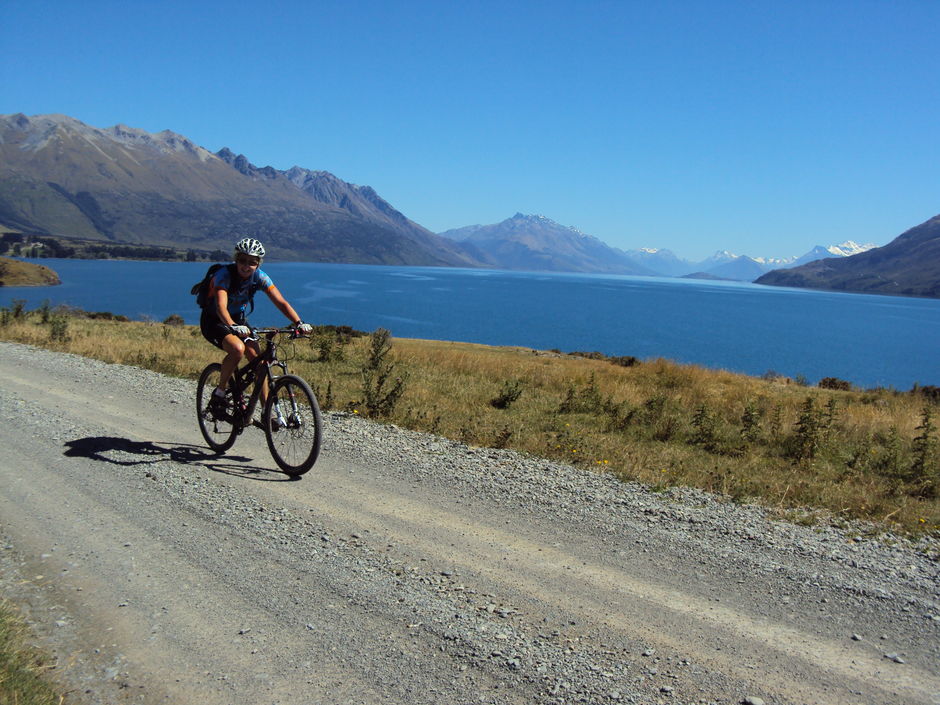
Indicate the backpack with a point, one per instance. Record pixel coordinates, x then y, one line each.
201 288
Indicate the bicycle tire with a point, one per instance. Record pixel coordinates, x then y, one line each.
220 434
294 445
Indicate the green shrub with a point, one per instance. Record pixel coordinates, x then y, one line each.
59 329
834 383
18 308
808 431
329 344
625 361
584 399
381 391
750 422
705 429
924 473
510 393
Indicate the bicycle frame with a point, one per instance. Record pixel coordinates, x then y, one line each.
266 359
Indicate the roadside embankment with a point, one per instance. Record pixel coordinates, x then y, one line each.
829 454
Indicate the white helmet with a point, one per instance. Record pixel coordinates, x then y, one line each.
249 246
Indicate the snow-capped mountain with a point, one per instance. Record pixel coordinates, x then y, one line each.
845 249
728 265
909 265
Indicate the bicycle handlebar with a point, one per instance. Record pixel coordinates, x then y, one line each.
271 332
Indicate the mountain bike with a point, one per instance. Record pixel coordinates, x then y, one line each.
290 419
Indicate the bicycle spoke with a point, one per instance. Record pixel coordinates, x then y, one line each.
293 425
218 429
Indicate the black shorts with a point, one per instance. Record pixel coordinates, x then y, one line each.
213 329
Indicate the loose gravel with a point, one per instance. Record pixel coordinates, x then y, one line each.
457 634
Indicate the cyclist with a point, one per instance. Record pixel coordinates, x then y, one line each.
224 321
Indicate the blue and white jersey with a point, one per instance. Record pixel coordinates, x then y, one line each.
239 292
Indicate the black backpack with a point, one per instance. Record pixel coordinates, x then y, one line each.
201 288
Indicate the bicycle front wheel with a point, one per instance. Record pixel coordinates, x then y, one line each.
219 429
293 425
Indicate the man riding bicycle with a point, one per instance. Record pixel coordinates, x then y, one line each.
224 321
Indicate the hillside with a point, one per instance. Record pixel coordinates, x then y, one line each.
59 176
16 273
908 266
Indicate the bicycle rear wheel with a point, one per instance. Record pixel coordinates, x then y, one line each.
218 430
293 425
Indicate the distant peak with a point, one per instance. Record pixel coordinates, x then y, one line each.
849 247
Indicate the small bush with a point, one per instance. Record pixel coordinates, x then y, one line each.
502 437
174 319
586 399
104 316
835 383
510 393
887 455
45 312
18 308
381 391
59 329
750 422
325 400
807 431
928 392
925 472
704 428
624 361
593 355
329 345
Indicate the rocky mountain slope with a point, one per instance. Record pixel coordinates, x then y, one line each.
60 176
909 266
534 242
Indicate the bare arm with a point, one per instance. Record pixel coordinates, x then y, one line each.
221 307
278 300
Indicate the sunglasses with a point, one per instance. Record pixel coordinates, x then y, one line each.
248 261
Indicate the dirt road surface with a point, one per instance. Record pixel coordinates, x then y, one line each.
405 568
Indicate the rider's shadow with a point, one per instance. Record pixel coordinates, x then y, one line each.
125 452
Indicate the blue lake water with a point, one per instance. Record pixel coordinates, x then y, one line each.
868 340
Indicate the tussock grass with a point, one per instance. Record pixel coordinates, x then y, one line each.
22 667
846 454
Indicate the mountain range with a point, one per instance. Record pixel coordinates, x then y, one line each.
726 265
59 176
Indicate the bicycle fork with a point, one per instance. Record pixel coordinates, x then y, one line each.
278 421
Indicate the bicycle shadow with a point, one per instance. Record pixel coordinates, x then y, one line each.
127 453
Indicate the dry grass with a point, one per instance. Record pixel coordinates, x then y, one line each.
656 422
16 273
22 667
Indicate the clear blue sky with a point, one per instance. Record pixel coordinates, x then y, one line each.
760 127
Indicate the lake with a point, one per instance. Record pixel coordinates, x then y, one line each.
868 340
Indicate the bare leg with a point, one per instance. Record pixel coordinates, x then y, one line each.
235 349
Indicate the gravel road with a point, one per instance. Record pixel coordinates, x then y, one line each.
405 568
